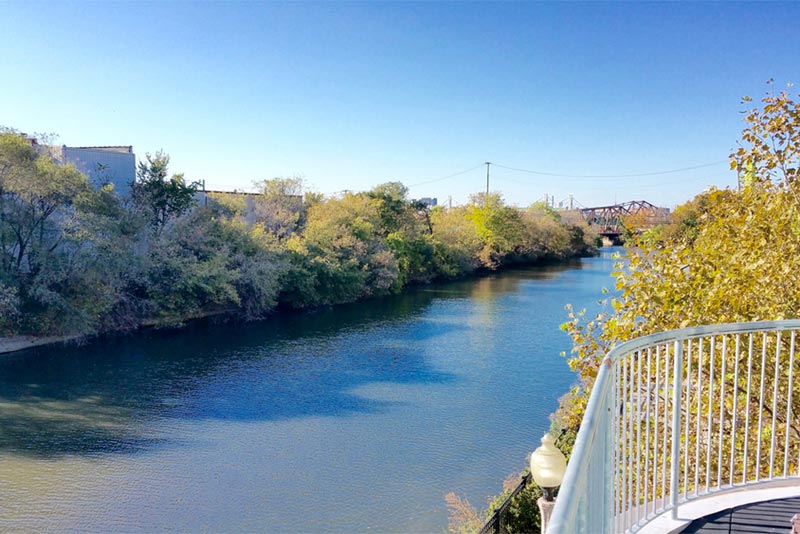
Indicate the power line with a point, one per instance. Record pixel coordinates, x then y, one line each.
605 187
638 175
543 173
449 175
639 187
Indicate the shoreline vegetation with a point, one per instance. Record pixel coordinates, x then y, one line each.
17 343
78 261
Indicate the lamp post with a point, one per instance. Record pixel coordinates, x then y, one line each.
548 465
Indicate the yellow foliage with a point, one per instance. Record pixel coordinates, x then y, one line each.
728 256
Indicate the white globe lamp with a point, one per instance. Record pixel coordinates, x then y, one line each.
548 465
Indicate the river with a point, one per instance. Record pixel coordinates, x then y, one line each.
358 418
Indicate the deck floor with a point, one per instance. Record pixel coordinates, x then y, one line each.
762 517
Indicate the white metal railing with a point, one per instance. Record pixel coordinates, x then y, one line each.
680 415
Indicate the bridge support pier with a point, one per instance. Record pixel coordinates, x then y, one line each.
611 240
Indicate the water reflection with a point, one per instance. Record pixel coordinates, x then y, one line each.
348 419
98 398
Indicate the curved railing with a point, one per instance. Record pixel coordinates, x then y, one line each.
678 416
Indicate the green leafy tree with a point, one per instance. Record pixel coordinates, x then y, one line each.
103 236
17 161
9 309
210 263
341 255
407 229
393 206
499 227
160 197
545 236
456 244
33 188
63 244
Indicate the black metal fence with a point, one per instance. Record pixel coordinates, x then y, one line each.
496 523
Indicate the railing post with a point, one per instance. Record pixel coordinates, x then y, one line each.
609 460
677 385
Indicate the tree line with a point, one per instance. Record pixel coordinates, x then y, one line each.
80 260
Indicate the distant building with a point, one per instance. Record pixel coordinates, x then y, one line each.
254 208
103 165
203 195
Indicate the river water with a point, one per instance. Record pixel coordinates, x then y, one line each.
357 418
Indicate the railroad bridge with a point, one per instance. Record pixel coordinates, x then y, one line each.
635 216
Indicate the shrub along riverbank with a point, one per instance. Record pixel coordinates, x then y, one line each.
76 260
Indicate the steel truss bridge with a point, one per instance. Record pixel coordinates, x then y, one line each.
633 216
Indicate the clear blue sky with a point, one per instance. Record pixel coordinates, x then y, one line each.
349 95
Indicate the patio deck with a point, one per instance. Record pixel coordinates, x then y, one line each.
762 517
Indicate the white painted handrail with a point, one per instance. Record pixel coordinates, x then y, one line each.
681 416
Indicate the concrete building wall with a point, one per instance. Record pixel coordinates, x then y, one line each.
103 165
203 197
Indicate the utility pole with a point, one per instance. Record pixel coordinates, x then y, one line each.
571 203
486 199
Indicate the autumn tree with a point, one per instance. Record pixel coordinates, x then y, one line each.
769 151
729 256
499 227
279 207
340 255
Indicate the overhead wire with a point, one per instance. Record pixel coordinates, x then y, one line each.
601 187
449 175
637 175
584 188
597 185
648 186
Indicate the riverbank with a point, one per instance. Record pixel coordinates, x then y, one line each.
17 343
22 342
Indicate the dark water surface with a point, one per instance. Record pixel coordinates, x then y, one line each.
353 419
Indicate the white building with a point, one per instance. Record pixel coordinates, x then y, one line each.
102 164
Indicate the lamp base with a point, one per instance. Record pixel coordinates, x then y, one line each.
545 511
